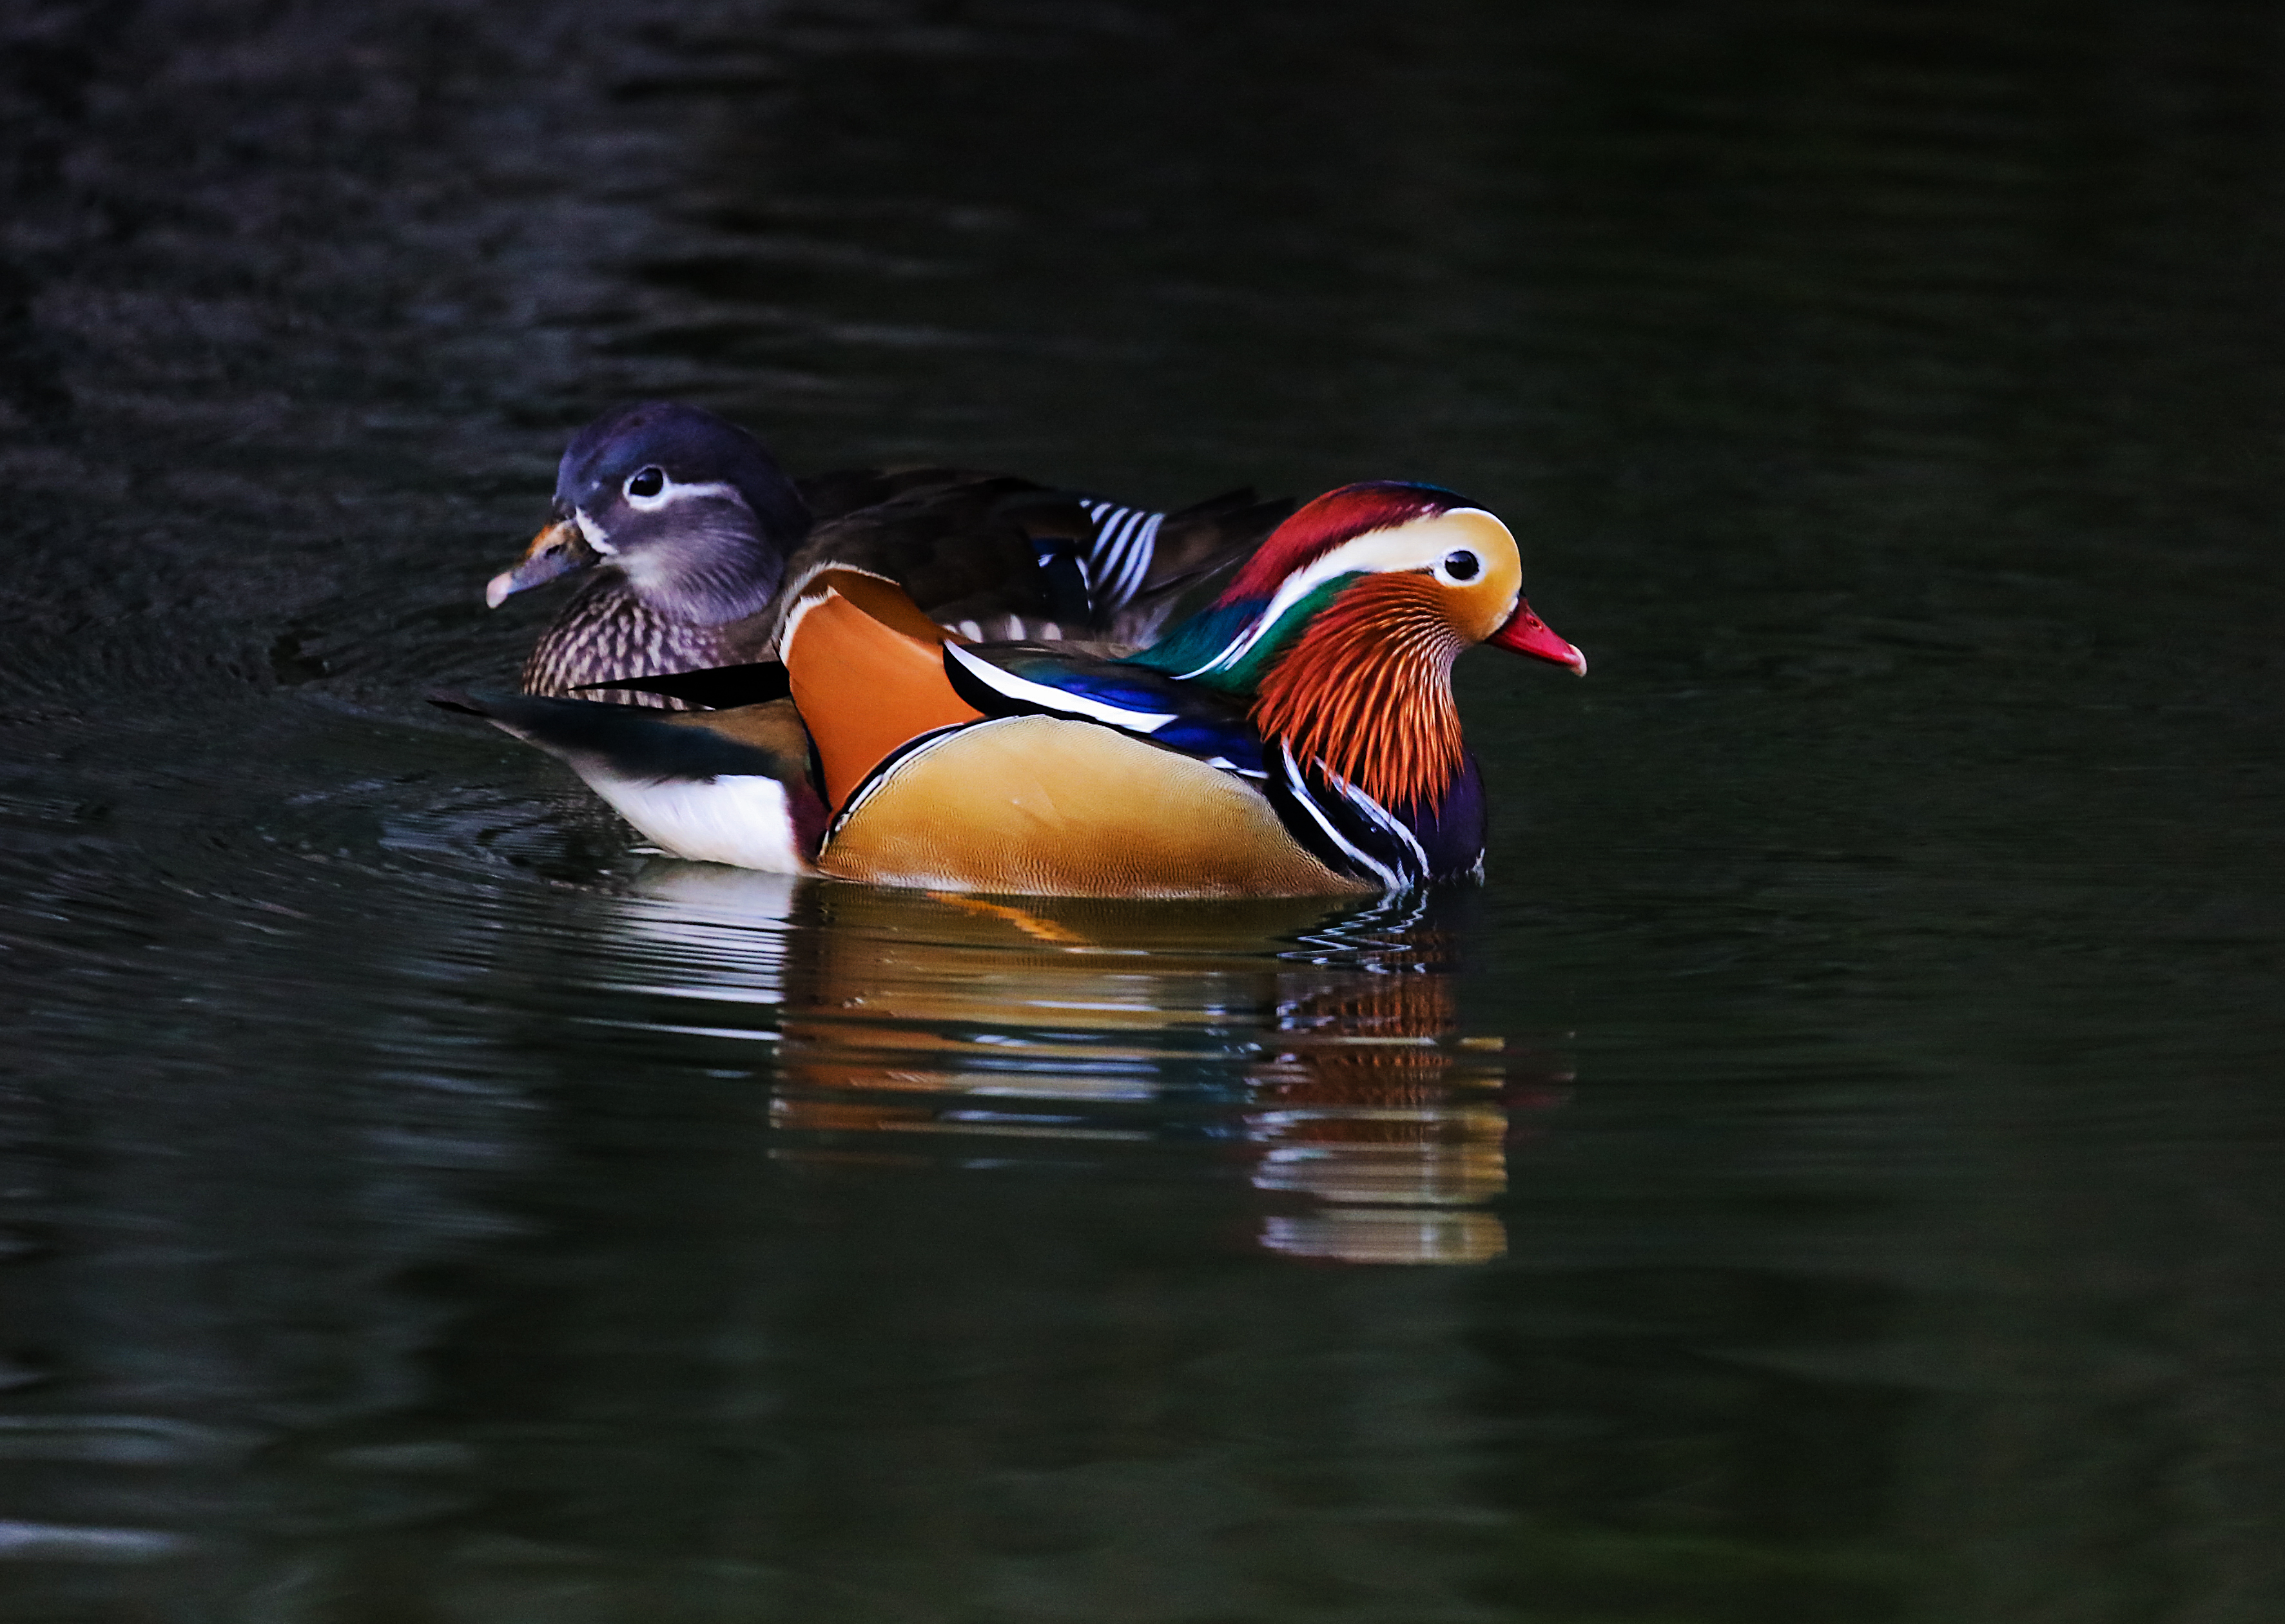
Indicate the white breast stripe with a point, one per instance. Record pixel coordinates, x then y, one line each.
1383 817
1388 878
1056 699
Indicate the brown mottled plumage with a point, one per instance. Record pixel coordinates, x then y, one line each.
607 631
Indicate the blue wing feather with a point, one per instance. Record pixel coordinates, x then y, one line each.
1030 679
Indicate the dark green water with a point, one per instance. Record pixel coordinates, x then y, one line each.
1828 1175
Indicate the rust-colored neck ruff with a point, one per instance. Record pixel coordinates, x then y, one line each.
1367 690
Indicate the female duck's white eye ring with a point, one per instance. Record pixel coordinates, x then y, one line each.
1460 566
645 484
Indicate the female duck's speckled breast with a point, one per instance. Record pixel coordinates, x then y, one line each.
607 631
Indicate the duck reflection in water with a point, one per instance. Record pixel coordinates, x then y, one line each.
1316 1047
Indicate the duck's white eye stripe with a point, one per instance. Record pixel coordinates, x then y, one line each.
670 492
714 488
1379 815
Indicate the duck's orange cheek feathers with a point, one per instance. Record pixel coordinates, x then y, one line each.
1367 691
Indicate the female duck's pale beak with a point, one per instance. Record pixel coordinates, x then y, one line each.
1526 633
558 550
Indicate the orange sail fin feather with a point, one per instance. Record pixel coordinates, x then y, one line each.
866 671
1367 691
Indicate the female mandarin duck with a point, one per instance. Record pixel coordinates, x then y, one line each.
1296 737
692 531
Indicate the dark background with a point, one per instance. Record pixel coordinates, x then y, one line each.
415 1205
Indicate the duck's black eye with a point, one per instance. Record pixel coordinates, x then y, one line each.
1463 565
646 482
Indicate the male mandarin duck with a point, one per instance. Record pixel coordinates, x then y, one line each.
1295 737
693 533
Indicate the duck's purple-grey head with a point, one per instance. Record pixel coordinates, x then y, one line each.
688 505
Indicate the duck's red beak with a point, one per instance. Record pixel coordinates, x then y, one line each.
1526 633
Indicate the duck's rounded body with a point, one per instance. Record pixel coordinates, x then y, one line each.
1295 737
695 541
1041 807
